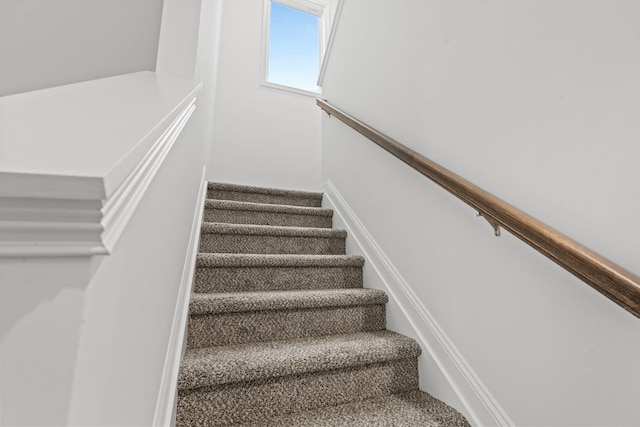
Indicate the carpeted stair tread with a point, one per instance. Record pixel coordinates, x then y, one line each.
206 303
225 191
266 207
269 239
226 211
412 409
205 260
222 186
271 230
210 366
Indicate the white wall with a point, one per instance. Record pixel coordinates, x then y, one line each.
262 136
47 43
208 55
178 44
537 102
131 297
40 321
84 339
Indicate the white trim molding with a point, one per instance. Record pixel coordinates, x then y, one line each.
329 48
47 211
167 393
480 405
119 208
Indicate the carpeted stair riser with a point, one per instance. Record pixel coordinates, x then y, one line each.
251 279
262 195
415 408
259 400
275 325
262 198
260 214
239 273
221 242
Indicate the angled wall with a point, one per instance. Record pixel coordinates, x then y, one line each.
537 102
51 43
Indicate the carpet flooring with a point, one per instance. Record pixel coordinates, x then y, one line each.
281 330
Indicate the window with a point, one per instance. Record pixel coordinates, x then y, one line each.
293 45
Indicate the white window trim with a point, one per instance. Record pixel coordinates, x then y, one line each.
319 9
331 30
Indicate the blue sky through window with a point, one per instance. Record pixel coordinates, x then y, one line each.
294 40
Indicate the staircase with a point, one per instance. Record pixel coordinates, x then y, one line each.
281 331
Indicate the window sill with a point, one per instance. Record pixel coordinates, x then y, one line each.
291 89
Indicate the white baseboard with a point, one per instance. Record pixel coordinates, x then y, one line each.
166 402
480 406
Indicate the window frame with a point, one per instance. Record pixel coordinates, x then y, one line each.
321 10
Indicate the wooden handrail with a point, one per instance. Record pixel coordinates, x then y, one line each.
617 284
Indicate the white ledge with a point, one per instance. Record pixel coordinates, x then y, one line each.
76 160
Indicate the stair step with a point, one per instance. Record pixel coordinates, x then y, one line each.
267 239
232 212
281 331
226 385
235 318
412 409
212 366
246 193
203 303
260 400
248 273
